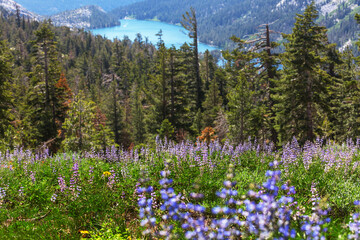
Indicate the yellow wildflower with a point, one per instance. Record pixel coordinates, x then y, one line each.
106 173
84 233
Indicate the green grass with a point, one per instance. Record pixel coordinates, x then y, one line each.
109 211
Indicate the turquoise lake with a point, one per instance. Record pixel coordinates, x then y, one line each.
172 35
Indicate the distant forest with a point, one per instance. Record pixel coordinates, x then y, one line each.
218 20
71 90
97 19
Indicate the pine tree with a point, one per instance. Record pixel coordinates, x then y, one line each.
208 69
189 22
240 106
344 100
138 124
5 78
212 104
79 125
166 130
44 76
267 75
63 95
243 93
180 96
114 109
303 88
85 126
162 81
47 57
159 91
221 80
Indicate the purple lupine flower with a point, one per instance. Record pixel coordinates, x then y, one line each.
21 191
112 179
53 198
62 183
268 213
74 180
145 203
228 224
2 193
171 203
354 225
313 225
91 174
32 176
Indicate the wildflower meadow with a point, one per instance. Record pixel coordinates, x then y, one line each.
183 191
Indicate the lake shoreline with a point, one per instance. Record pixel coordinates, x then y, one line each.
173 35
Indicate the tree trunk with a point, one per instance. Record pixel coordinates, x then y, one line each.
172 84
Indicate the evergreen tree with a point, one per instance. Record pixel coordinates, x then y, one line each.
344 100
138 124
212 104
304 86
264 112
63 95
221 80
85 126
5 78
47 57
159 91
243 94
113 108
166 130
189 22
208 68
181 96
240 106
44 76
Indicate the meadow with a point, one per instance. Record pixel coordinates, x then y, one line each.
183 191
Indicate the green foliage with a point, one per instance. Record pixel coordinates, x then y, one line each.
239 110
138 118
212 103
5 77
114 111
304 85
84 127
109 230
69 196
166 130
133 86
189 22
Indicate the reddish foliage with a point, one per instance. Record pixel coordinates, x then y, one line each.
207 135
63 85
100 119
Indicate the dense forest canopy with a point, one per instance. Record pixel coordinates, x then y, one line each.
70 90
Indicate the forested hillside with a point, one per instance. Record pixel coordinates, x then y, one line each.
10 7
88 17
219 20
50 7
71 90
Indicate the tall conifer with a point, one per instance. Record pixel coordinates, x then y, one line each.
304 86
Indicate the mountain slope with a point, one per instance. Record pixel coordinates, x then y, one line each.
8 7
219 19
88 17
50 7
